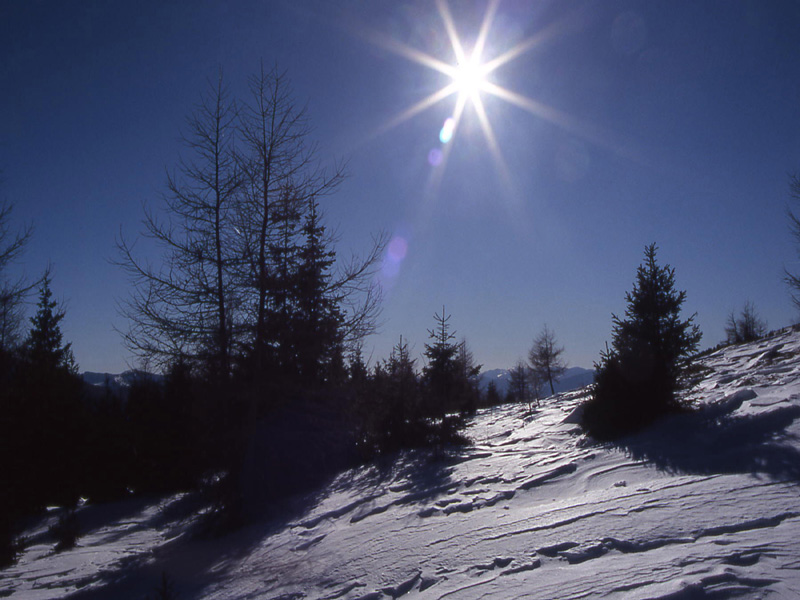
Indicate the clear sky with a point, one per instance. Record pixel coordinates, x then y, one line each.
674 121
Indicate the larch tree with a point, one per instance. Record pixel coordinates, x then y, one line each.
793 279
12 291
184 308
545 358
747 327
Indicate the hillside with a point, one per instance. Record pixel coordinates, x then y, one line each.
705 505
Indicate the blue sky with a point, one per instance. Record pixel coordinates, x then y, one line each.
678 123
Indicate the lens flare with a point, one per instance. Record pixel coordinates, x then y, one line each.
449 127
435 157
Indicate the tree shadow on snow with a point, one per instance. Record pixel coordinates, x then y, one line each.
194 562
693 443
416 475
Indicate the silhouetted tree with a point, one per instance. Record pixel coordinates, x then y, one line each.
519 382
399 406
12 292
317 319
638 378
53 422
441 372
44 348
184 308
469 371
492 395
747 327
794 226
545 358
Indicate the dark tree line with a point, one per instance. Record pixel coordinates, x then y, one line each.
401 406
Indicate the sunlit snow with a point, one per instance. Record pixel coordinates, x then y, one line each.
704 505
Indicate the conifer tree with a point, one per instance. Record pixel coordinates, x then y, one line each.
638 378
318 318
45 349
442 369
53 409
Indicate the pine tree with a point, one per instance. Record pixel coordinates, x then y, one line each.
53 409
317 319
44 347
442 369
492 395
638 378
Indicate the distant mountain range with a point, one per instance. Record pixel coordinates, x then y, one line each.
573 378
118 383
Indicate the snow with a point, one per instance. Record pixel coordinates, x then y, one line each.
702 505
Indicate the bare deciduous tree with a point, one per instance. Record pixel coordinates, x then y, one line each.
545 358
519 382
794 226
233 239
183 307
747 327
12 292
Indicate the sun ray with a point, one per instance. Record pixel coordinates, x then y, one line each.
483 34
494 147
552 31
420 106
568 123
470 84
450 28
412 54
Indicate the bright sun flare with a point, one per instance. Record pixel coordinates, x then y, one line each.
470 80
469 77
470 83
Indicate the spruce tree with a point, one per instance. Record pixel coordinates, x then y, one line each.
45 349
637 379
54 419
441 372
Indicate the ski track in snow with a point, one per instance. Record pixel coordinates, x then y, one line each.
703 505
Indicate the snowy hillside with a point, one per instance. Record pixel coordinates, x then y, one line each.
704 506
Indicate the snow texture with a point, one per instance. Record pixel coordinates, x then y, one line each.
704 505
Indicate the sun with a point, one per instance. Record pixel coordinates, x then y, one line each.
470 81
469 78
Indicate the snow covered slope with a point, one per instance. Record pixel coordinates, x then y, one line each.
705 505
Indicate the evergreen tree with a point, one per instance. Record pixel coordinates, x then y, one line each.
317 319
441 372
45 350
638 378
492 395
53 422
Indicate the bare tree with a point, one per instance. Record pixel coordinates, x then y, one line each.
233 238
519 382
794 226
747 327
183 308
545 358
12 292
283 180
